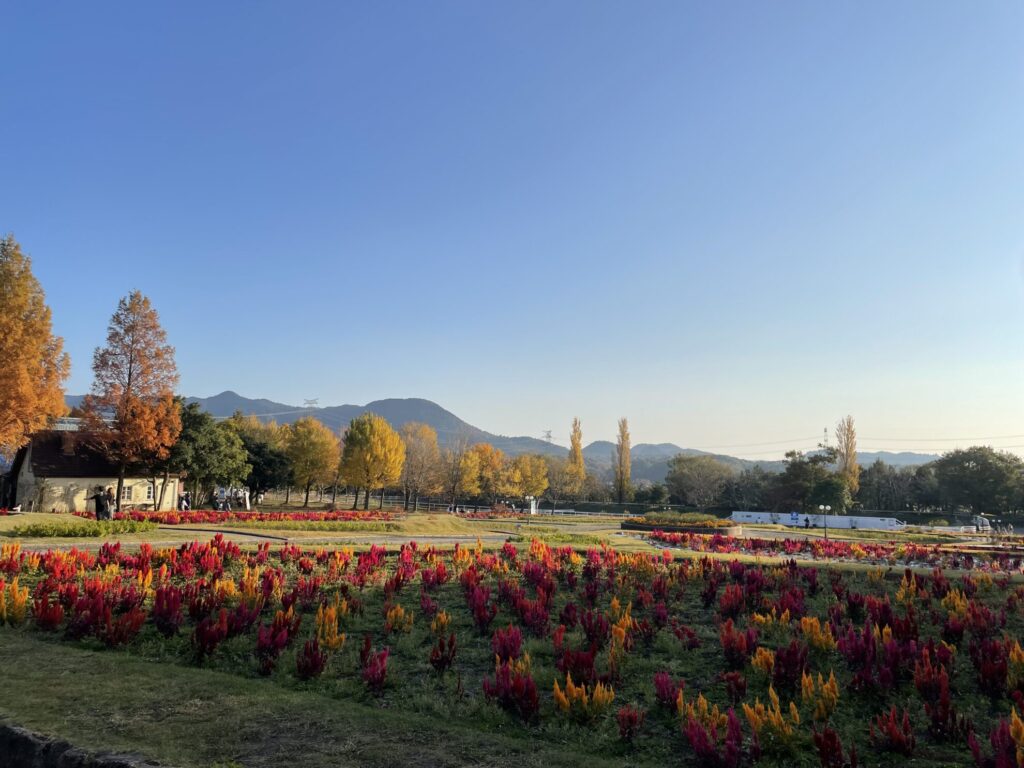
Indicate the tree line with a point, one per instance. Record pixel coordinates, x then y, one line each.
976 480
134 417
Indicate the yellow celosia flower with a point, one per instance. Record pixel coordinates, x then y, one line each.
764 660
823 697
439 626
818 637
327 629
578 701
398 620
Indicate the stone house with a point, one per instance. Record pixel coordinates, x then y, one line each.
58 470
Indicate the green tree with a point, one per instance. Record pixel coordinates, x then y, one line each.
885 487
831 490
925 488
748 490
373 455
980 479
211 454
651 493
697 480
792 489
33 365
596 488
623 464
266 453
313 452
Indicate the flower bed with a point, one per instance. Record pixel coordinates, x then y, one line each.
723 527
818 549
492 514
653 659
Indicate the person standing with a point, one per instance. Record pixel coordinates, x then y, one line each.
110 503
100 497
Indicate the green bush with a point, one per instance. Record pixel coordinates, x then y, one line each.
84 529
684 518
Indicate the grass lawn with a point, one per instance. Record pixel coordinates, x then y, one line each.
185 716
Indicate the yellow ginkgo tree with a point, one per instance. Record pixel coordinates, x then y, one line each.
373 455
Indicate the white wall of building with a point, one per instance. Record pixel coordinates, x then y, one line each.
800 520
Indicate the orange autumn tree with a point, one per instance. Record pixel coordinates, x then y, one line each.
33 365
131 408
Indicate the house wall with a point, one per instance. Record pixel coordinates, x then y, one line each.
25 484
70 494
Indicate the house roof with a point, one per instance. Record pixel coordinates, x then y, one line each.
65 454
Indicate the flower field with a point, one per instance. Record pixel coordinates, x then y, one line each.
904 553
655 659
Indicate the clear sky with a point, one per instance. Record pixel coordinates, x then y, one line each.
733 223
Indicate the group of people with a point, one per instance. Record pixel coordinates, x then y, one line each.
220 502
104 502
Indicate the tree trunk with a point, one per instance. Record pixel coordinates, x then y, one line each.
416 502
406 505
120 486
334 495
287 494
355 498
366 498
306 502
163 491
381 499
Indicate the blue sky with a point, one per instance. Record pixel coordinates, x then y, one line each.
731 223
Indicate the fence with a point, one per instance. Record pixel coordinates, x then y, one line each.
393 501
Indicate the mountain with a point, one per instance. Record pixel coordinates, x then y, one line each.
398 411
650 460
901 459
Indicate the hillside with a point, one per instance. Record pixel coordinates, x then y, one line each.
650 460
398 411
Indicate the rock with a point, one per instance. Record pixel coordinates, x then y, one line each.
22 748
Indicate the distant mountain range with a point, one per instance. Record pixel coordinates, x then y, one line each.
649 460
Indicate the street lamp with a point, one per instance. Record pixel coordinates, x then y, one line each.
825 509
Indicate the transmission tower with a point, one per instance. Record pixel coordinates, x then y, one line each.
547 435
314 403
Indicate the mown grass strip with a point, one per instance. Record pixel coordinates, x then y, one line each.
189 717
83 529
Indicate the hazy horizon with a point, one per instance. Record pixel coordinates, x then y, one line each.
733 225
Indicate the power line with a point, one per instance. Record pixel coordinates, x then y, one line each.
939 439
756 445
924 448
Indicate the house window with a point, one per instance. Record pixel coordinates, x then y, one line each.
149 492
126 493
